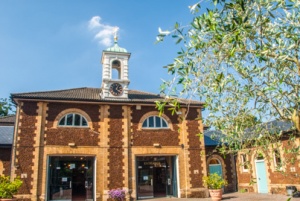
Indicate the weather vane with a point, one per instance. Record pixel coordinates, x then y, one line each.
116 29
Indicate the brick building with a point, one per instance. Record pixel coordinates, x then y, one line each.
216 162
6 140
77 144
273 170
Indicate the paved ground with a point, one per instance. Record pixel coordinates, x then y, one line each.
235 197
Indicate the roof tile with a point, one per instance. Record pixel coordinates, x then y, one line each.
93 95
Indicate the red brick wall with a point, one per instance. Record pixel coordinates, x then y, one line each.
285 177
144 137
194 149
211 150
25 144
65 135
115 152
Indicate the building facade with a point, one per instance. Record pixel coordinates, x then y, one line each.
274 169
6 139
216 162
77 144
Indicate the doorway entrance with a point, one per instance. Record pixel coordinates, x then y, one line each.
156 176
262 183
70 178
215 167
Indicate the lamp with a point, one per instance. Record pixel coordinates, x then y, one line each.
156 145
72 144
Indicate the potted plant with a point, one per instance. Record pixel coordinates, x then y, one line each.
8 188
214 183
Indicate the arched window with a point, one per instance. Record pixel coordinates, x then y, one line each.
155 122
116 69
73 119
214 161
277 160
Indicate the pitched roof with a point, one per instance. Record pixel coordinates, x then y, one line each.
6 135
93 95
213 137
8 119
272 127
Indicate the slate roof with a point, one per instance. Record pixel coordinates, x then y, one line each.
93 95
6 135
272 127
212 138
8 119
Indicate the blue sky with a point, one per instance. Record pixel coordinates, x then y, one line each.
50 45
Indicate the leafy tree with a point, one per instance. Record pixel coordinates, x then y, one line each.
6 107
242 58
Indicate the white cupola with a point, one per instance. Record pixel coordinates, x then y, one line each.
115 71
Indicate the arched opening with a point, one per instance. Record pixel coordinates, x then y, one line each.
214 161
260 156
116 69
215 166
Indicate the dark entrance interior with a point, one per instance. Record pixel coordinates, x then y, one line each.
70 178
156 176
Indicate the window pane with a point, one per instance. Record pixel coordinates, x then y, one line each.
157 122
84 122
69 119
77 120
244 160
62 121
164 124
151 122
277 158
145 124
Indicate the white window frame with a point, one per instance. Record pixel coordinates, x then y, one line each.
243 158
275 162
154 123
73 121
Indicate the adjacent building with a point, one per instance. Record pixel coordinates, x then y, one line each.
275 168
224 165
6 140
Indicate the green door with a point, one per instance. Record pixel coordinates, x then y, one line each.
216 168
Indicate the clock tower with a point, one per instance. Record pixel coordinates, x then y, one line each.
115 72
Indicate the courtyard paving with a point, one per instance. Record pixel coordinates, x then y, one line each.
236 196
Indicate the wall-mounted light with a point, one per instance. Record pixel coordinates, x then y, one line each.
156 145
72 144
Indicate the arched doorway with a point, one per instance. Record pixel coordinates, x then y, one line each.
215 166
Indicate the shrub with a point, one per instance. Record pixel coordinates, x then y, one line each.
8 188
214 181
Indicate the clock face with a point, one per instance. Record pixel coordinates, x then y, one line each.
116 89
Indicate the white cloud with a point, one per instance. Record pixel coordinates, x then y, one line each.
103 33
